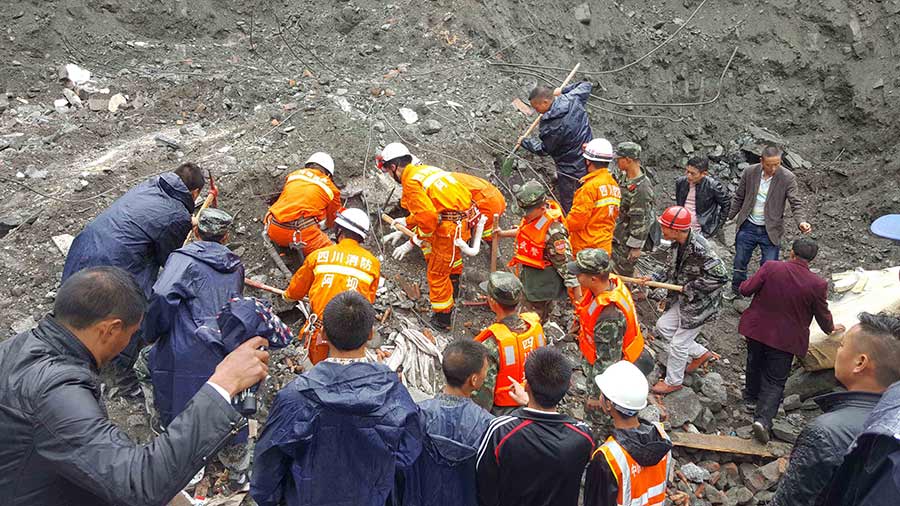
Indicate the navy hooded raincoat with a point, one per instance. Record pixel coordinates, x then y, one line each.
137 232
336 435
564 129
197 281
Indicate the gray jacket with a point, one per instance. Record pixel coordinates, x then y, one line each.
58 446
783 189
703 274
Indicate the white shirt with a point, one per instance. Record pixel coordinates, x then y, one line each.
690 203
222 391
758 215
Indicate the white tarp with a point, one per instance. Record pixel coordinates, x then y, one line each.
420 360
869 291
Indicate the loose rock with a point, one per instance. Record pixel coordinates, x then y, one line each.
694 473
430 127
682 406
583 13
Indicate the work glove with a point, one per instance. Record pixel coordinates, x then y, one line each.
402 250
393 237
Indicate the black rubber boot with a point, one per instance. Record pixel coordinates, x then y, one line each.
454 280
442 321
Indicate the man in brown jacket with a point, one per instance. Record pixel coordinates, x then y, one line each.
759 204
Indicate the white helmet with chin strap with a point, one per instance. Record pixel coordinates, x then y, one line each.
598 150
624 385
323 160
354 220
390 152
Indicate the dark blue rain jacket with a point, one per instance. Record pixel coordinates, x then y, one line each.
445 471
336 435
564 129
137 232
197 281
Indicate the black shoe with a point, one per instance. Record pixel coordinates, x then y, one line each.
760 432
442 321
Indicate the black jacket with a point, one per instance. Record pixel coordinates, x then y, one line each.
712 201
821 446
58 447
532 458
645 445
870 473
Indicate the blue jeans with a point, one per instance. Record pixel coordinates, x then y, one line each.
749 236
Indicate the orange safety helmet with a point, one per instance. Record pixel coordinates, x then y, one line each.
676 218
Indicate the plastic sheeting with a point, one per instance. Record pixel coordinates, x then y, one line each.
419 361
864 291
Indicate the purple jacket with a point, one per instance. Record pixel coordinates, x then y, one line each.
787 295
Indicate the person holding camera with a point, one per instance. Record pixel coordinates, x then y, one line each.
58 445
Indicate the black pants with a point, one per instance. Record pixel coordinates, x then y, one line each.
767 372
566 184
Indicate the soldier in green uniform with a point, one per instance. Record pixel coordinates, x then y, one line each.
542 250
635 210
522 331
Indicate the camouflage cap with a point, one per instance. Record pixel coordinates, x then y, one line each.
629 150
590 261
531 194
214 222
505 288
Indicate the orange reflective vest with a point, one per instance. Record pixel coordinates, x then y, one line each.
429 191
638 485
307 193
591 307
513 349
531 238
595 208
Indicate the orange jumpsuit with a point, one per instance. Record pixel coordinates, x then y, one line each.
309 196
595 207
486 197
328 272
437 205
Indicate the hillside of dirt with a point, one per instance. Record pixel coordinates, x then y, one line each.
249 89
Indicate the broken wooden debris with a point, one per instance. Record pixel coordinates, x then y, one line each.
729 444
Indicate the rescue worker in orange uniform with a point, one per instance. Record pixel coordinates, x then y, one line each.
440 208
595 207
486 197
608 325
332 270
542 250
632 466
508 340
308 200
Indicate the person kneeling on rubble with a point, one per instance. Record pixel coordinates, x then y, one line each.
508 341
332 270
58 445
308 201
338 433
454 425
632 466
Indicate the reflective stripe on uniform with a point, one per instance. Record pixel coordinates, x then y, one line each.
442 304
344 270
308 179
456 263
624 469
608 201
509 355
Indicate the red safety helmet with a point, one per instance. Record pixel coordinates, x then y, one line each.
676 218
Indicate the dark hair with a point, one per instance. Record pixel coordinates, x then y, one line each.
805 248
881 334
191 175
350 234
96 294
770 151
462 358
348 320
400 161
548 372
699 162
541 92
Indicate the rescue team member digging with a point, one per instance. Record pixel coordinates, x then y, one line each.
542 250
609 329
440 208
592 219
635 211
508 341
486 197
309 197
335 269
632 466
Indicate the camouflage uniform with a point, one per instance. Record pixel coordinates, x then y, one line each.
635 215
704 277
484 397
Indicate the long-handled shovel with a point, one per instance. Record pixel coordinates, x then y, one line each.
507 166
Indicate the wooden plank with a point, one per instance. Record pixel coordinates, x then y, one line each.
729 444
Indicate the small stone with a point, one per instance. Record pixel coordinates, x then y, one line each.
650 413
710 465
72 98
730 474
379 127
409 116
878 84
739 495
767 476
682 406
193 129
583 13
714 495
767 88
687 147
713 387
792 402
35 173
116 101
694 473
785 431
430 127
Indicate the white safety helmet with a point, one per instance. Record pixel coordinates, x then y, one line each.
324 160
354 220
598 150
624 385
390 152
